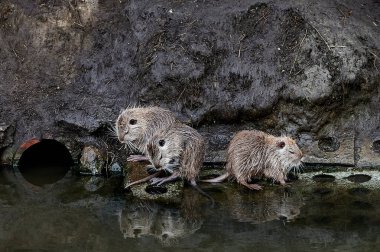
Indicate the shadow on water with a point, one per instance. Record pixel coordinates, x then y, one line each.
80 213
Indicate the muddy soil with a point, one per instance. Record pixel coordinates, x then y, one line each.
309 70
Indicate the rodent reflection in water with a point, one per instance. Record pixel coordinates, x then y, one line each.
268 205
166 223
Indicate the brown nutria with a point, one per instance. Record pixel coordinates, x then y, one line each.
253 153
135 127
178 150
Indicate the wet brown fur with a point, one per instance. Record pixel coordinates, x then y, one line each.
255 154
149 120
183 150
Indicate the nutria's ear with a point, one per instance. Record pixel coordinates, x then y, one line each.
281 144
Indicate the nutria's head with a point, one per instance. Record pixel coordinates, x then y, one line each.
135 126
288 152
164 149
179 146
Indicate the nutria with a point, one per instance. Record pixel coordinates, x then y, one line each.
179 150
255 154
135 127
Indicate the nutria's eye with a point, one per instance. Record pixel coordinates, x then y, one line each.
281 144
132 122
291 152
161 143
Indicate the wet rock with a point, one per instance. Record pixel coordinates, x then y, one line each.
368 150
116 169
170 192
332 148
134 171
6 156
6 139
92 161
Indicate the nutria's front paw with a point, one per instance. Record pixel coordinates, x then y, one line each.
137 158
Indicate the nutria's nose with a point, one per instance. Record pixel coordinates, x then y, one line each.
121 137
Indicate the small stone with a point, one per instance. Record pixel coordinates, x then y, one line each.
91 160
115 167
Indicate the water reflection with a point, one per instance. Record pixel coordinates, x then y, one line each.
167 224
70 216
266 205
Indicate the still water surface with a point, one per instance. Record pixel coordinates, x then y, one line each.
92 214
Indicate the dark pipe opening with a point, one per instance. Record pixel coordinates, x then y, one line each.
45 162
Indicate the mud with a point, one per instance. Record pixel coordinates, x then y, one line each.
310 70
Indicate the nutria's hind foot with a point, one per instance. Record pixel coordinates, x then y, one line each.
251 186
137 158
160 181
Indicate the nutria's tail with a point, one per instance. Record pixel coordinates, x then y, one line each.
219 179
196 187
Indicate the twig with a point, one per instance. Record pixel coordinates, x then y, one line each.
79 24
321 36
15 53
374 60
241 39
338 46
180 95
299 48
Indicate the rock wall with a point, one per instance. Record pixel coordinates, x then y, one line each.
305 69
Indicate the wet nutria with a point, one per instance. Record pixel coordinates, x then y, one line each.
178 150
253 153
135 127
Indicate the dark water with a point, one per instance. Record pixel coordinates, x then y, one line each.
92 214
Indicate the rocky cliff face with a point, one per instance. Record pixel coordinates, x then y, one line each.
309 70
